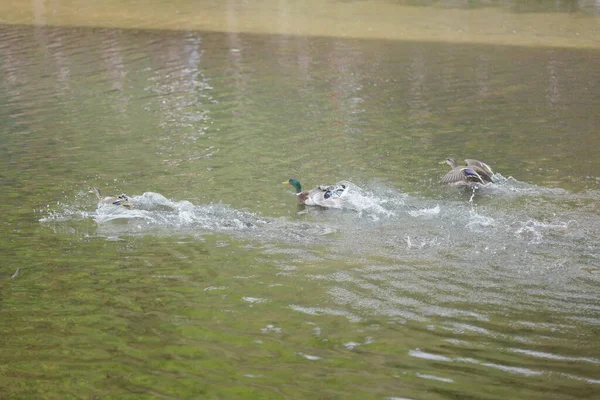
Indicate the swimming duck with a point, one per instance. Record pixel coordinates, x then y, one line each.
121 200
474 171
324 196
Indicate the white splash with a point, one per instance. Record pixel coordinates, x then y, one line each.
364 202
309 357
425 212
271 328
254 300
435 378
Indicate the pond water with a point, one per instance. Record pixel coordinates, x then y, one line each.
218 284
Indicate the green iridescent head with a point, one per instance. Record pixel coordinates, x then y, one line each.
295 183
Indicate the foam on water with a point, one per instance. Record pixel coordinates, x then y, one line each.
376 221
425 212
511 187
64 214
154 213
478 222
366 203
153 209
498 246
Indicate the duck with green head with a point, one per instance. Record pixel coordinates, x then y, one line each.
121 200
473 172
324 196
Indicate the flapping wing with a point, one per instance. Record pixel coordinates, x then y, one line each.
480 164
461 176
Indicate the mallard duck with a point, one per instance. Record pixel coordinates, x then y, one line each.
121 200
324 196
474 171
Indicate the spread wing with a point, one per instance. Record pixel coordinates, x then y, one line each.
461 176
480 164
334 191
327 196
123 200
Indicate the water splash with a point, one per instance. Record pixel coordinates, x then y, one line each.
533 231
378 221
63 212
478 222
366 203
155 210
154 213
511 187
425 212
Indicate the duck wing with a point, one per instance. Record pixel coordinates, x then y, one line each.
120 200
461 176
123 200
483 173
335 191
481 165
327 196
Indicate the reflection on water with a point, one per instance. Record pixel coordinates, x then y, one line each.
219 283
565 23
563 6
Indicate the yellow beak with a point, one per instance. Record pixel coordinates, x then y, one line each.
285 182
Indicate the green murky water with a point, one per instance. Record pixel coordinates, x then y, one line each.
218 285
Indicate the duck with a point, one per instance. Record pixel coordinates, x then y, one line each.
322 195
473 172
121 200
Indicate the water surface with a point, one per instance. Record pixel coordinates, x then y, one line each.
218 285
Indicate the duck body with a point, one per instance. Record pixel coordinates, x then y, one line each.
328 196
121 200
473 172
